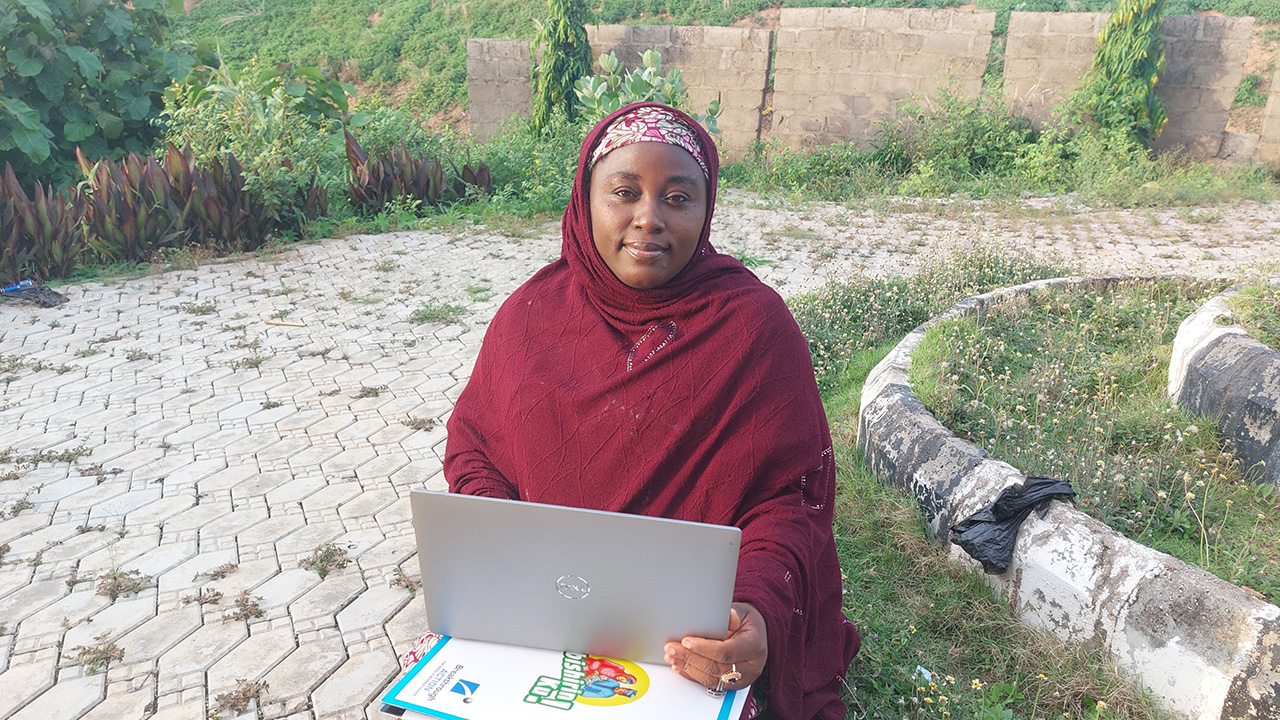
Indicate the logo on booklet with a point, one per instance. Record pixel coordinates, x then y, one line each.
572 587
589 680
466 689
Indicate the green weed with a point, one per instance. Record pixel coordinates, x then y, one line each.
97 656
841 319
116 583
325 559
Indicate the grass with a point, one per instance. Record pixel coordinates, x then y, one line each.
438 313
935 639
918 611
1257 309
842 319
1072 385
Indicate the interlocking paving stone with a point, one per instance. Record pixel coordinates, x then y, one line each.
355 683
71 698
123 701
209 475
24 681
251 659
155 636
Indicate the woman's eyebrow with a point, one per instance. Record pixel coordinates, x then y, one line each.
684 180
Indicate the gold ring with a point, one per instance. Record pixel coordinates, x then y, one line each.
732 677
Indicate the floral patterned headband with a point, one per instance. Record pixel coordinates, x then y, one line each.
651 124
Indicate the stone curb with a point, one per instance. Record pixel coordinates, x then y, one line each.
1221 372
1205 647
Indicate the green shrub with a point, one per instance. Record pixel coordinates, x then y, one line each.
280 134
952 140
1119 92
831 172
1250 93
602 94
85 74
533 172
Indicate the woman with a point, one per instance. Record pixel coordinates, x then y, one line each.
643 372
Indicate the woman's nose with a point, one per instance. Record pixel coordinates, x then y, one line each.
648 215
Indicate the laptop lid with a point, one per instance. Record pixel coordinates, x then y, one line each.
570 579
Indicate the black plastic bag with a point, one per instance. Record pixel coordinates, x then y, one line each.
990 534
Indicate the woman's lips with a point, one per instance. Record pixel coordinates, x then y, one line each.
644 251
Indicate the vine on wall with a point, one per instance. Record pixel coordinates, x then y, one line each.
1118 93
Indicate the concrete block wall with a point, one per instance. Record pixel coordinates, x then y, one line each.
1204 59
838 71
497 83
1269 142
717 63
1046 57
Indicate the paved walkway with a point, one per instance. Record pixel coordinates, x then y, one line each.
219 425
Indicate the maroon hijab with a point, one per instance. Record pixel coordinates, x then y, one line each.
694 400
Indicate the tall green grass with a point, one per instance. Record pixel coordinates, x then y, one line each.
1072 384
936 643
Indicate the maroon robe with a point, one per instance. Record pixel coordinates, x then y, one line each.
695 400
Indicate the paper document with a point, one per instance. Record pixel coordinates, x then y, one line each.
470 680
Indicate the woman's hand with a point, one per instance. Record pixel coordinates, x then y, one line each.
745 649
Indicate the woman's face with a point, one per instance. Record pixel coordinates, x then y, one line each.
648 205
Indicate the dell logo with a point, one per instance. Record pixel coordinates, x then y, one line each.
572 587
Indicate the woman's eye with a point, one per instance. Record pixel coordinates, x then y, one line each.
678 197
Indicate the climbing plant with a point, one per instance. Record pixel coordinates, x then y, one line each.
1118 93
566 56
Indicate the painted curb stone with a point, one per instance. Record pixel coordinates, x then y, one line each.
1205 647
1221 372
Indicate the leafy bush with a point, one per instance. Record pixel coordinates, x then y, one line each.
82 73
607 92
533 172
133 209
41 235
397 176
1119 92
281 130
566 56
953 139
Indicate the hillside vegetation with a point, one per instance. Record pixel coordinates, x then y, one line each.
413 52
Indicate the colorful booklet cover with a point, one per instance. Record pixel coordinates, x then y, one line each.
471 680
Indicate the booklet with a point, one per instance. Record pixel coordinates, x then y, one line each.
471 680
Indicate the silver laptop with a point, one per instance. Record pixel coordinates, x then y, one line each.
570 579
